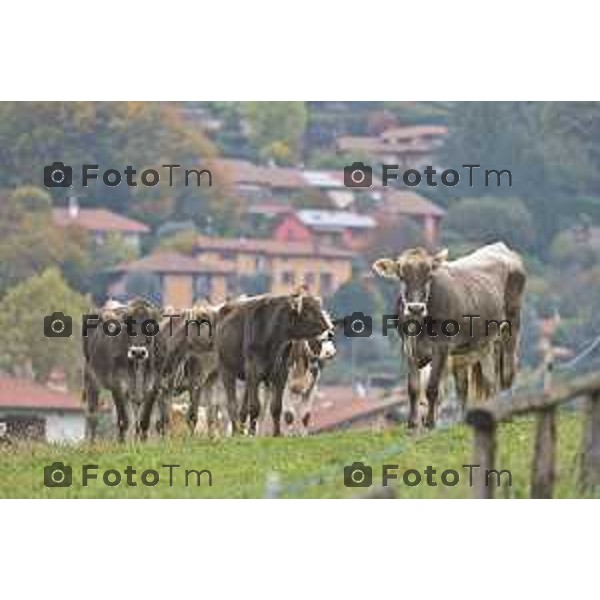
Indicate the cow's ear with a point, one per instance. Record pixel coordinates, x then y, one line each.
440 258
387 267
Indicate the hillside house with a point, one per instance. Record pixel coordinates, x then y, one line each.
335 228
29 410
411 147
396 205
284 264
182 279
101 223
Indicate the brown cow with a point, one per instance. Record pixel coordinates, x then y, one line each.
253 340
488 283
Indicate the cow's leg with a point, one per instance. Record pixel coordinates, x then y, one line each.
164 418
276 406
244 408
146 413
461 385
120 400
253 404
229 381
192 412
90 399
438 368
414 389
307 401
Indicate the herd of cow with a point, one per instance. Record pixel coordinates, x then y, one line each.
279 344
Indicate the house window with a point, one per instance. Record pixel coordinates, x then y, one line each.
287 277
309 278
326 284
227 255
203 286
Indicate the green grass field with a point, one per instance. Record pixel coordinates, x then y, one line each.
305 467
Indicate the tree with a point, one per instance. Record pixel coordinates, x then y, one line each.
490 219
30 242
551 148
276 129
111 135
24 345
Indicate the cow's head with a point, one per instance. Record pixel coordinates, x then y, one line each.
141 351
307 317
415 269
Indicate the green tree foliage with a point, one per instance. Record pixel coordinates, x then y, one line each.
23 346
30 242
183 242
491 219
276 129
111 135
551 148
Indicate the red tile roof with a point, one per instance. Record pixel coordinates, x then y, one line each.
338 406
98 219
409 203
23 393
271 247
242 171
416 139
174 262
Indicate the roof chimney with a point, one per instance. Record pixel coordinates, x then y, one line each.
73 207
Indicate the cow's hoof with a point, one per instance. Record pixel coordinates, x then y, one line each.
411 424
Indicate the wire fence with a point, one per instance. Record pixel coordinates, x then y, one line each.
276 488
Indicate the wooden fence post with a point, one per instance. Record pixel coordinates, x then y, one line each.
543 470
590 471
484 451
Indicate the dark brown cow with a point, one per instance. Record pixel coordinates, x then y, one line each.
189 360
488 283
126 365
253 341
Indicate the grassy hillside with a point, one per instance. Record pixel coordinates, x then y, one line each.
306 468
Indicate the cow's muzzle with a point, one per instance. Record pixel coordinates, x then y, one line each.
415 309
137 353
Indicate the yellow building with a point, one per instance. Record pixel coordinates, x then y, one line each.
182 280
221 268
285 265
